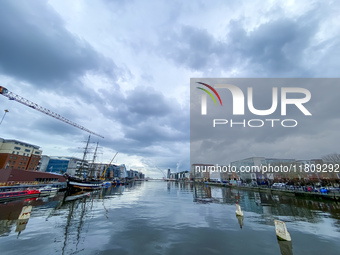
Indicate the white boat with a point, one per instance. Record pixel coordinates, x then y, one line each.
238 210
85 185
281 231
48 190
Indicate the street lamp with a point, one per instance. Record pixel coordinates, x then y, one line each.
6 111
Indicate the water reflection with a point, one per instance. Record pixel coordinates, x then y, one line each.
269 207
240 220
268 204
19 212
286 248
23 218
168 218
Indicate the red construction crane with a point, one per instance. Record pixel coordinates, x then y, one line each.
12 96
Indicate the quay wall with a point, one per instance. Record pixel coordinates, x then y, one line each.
335 196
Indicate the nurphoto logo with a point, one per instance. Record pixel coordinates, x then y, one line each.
299 97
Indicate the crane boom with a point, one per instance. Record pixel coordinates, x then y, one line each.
24 101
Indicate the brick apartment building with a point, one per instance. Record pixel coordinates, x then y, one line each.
19 155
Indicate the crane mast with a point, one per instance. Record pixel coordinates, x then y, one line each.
24 101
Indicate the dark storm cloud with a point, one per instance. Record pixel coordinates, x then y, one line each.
283 47
190 46
36 47
275 48
140 104
52 127
149 118
146 102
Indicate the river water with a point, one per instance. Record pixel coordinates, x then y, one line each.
169 218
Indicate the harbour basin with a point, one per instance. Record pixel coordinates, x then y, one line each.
158 217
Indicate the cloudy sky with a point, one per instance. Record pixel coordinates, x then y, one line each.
122 68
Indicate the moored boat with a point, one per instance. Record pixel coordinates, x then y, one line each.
106 184
75 183
48 190
83 181
17 194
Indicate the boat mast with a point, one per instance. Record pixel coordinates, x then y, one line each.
82 168
93 160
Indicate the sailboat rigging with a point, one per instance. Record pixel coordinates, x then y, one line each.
83 180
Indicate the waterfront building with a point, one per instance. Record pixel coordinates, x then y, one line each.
61 165
116 173
215 176
135 174
132 174
226 175
249 163
296 169
19 155
172 176
183 175
200 172
43 163
142 176
262 170
58 165
123 171
253 164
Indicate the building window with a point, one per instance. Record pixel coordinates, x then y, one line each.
18 153
17 148
13 152
37 152
11 157
15 157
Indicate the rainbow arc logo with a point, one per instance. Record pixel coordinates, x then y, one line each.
209 93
